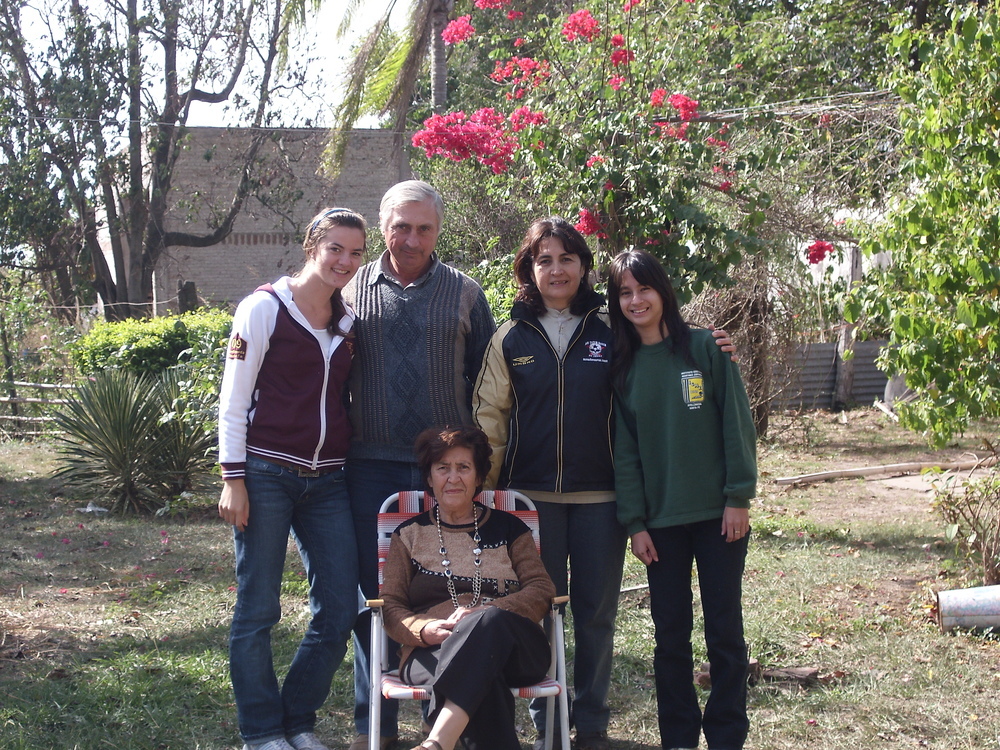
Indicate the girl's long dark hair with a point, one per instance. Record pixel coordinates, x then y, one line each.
647 271
573 242
318 226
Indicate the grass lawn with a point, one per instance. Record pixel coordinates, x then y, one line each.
113 630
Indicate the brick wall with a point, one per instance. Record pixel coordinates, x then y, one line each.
262 245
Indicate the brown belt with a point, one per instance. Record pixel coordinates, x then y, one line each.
300 471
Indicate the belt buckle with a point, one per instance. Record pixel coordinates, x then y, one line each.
303 474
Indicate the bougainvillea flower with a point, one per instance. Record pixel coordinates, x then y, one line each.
589 224
485 135
723 146
629 4
657 97
489 4
521 71
515 15
819 250
581 24
595 159
616 82
688 108
618 40
458 31
622 57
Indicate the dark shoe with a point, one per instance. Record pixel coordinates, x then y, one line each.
591 741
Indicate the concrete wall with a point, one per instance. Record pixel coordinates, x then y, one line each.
262 245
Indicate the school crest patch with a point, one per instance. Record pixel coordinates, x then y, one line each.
237 348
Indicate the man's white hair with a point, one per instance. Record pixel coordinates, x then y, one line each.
410 191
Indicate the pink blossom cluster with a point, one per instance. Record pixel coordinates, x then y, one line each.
723 146
725 186
629 4
673 131
656 98
616 82
485 135
688 108
491 4
515 15
617 41
458 31
524 117
622 57
523 72
819 250
588 224
595 159
581 24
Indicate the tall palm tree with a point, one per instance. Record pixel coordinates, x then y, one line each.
385 67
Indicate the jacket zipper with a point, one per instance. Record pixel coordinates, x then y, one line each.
561 392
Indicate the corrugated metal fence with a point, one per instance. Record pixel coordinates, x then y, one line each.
812 373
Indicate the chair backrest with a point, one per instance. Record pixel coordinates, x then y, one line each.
401 506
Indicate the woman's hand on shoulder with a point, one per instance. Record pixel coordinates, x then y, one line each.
723 341
234 505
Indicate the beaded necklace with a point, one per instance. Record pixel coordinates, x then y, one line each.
477 581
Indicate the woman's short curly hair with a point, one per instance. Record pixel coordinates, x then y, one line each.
434 442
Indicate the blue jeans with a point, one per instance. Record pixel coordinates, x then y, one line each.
369 482
317 512
583 548
720 577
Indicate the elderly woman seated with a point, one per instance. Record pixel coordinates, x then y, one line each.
464 590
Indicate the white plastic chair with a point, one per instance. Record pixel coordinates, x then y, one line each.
402 506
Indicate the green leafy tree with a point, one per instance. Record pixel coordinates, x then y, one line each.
95 99
942 292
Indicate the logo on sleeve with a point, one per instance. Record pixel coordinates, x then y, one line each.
520 361
693 388
237 348
596 351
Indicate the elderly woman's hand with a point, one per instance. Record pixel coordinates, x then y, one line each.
436 631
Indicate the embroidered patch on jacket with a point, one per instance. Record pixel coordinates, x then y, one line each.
237 347
518 361
596 351
693 387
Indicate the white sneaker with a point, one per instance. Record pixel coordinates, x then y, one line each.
306 741
279 744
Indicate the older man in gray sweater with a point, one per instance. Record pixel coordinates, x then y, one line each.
422 328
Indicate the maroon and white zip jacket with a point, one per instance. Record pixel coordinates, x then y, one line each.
283 388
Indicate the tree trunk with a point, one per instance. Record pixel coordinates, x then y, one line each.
844 385
438 54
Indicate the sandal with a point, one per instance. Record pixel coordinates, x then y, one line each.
429 744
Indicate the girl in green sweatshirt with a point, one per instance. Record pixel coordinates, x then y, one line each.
685 471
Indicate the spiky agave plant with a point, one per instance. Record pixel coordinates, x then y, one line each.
187 441
113 441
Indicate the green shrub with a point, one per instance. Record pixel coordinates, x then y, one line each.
127 443
147 346
971 510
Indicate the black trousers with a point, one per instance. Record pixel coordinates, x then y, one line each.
489 652
720 576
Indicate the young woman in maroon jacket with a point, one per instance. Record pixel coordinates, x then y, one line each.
283 437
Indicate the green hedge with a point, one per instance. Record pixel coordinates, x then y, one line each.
147 346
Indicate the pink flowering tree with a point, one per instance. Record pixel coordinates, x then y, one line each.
599 115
